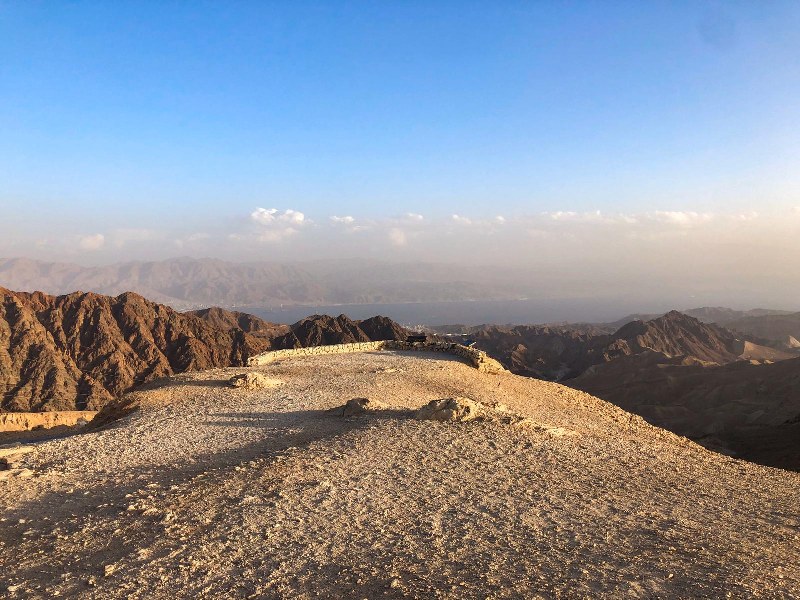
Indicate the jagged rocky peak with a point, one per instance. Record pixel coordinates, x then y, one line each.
81 350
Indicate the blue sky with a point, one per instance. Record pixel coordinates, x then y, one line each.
125 124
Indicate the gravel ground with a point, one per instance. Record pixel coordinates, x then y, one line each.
209 491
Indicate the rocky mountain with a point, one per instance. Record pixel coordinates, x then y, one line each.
675 334
186 283
80 350
322 330
232 320
561 352
720 315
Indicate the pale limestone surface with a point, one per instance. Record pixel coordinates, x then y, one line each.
205 491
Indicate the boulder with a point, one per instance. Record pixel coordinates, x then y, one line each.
253 381
357 406
457 410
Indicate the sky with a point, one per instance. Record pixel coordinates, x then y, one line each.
658 140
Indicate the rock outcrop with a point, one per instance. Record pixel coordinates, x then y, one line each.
356 407
254 381
451 410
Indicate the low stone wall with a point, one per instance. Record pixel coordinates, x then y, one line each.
477 358
24 421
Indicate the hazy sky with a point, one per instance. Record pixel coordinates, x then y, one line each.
610 137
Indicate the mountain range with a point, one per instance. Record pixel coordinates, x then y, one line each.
720 315
80 350
186 283
560 352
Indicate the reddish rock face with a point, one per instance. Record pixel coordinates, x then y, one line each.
81 350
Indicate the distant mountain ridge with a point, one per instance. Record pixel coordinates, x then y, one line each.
560 352
81 350
780 329
186 283
707 314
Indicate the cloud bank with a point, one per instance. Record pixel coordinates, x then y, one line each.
568 252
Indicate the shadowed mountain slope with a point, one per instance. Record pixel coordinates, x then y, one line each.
540 351
720 315
749 410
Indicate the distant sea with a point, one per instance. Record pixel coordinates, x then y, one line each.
475 312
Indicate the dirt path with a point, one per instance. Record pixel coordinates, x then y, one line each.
208 491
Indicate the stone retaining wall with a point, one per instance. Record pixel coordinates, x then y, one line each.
477 358
24 421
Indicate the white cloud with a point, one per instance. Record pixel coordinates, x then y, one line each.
271 216
92 242
414 216
682 218
500 219
562 215
461 220
594 216
349 224
275 225
398 237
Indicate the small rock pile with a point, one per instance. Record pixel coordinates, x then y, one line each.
357 406
464 410
453 410
253 381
